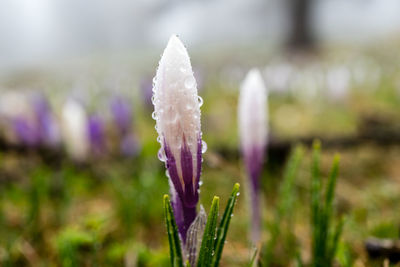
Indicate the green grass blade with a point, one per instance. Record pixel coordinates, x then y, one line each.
207 244
285 204
224 225
173 235
316 207
335 242
330 192
253 258
286 195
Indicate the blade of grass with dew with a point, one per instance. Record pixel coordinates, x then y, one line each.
173 235
207 244
224 225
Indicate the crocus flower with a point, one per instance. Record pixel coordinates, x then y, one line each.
121 111
26 131
74 126
122 115
96 134
177 115
253 137
48 128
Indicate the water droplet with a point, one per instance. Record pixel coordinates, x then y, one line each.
167 174
189 82
200 183
159 139
203 146
154 115
237 194
200 99
153 99
161 154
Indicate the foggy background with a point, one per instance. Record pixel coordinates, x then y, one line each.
41 32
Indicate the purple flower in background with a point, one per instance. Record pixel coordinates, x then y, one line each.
26 131
122 115
253 117
48 128
96 134
177 115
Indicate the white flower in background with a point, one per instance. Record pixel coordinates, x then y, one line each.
74 130
253 130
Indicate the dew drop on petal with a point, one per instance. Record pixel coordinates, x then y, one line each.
200 183
161 154
189 82
154 115
200 99
203 146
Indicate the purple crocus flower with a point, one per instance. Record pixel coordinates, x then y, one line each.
48 128
96 134
122 115
253 131
26 131
177 115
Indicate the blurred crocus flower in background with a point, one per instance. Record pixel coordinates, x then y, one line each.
122 114
26 131
177 114
121 111
18 120
74 129
47 125
96 134
253 132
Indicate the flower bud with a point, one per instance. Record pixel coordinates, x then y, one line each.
177 115
253 136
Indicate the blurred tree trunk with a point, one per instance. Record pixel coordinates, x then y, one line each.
300 36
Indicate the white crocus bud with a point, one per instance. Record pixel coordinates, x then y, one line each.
253 111
74 127
177 115
253 130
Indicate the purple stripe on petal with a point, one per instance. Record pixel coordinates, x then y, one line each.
170 164
185 205
199 162
191 196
